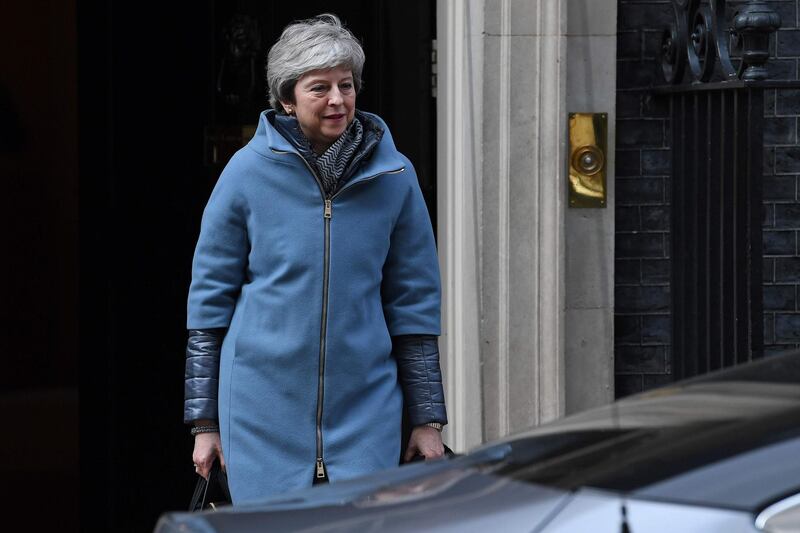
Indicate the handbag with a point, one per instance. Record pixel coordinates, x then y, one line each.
211 493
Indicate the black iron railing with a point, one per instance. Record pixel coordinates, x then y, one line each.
716 75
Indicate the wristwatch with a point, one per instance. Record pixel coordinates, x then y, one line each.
435 425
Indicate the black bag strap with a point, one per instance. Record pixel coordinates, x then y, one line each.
199 496
215 487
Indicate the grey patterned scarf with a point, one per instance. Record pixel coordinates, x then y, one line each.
331 164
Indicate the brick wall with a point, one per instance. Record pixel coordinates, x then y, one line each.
642 267
781 198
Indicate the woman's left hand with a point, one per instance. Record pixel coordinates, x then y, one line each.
425 441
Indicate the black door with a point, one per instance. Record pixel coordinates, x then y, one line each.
150 108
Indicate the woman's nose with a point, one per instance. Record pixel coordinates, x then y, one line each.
335 97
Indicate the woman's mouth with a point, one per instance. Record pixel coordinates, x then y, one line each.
335 117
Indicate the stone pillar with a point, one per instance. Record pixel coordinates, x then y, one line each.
459 140
502 125
589 318
523 216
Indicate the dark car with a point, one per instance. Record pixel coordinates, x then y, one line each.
720 453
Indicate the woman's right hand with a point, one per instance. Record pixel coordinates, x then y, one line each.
207 448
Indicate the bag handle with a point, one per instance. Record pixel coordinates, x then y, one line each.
200 496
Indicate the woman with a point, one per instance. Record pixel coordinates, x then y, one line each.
315 299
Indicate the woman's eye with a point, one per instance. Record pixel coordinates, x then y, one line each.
346 86
318 88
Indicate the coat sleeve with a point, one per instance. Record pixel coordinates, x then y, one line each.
201 379
411 295
410 289
420 377
220 258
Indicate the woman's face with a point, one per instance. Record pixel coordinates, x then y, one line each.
324 104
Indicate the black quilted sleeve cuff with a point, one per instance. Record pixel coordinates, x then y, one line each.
420 377
202 374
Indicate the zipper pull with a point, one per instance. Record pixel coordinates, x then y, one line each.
328 208
320 468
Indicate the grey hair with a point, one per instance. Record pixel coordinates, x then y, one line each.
312 44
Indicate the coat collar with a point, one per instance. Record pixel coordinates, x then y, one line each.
270 141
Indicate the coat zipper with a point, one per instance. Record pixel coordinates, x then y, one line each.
323 334
320 472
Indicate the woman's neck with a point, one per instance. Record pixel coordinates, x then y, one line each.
320 149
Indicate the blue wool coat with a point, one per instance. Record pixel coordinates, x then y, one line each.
311 295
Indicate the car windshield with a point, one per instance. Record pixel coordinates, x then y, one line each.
734 452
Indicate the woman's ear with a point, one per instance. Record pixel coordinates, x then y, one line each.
288 107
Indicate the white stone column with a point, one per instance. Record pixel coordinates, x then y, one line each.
459 115
511 276
523 219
